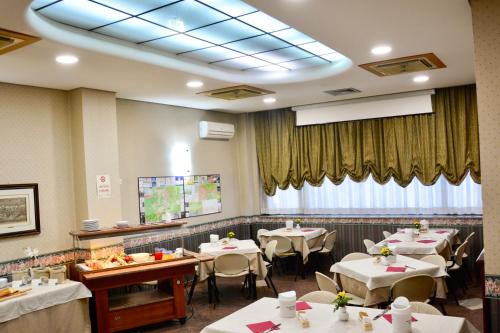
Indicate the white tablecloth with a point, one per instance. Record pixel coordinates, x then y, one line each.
322 319
303 239
374 275
246 247
441 242
42 297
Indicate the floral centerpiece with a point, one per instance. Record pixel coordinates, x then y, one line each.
231 235
339 303
388 256
417 225
297 222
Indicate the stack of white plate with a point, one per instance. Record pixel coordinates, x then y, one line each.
90 225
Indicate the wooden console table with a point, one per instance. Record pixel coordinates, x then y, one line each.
129 310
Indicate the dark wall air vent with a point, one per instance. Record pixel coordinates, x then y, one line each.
343 91
415 63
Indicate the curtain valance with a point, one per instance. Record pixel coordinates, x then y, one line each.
423 146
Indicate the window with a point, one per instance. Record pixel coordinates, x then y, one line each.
369 197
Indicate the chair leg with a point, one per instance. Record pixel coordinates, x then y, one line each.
191 290
443 310
268 278
253 277
215 290
452 287
210 289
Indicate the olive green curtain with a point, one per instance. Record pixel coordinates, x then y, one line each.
423 146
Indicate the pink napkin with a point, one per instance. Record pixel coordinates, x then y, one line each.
426 241
261 327
441 232
388 317
229 247
301 305
393 241
396 269
307 230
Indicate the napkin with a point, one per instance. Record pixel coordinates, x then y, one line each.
307 230
426 241
388 317
229 247
441 232
261 327
396 269
393 241
301 305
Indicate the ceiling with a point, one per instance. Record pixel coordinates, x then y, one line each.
351 27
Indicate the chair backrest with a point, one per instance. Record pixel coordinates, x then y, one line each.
421 307
270 249
459 253
435 259
416 288
284 244
325 283
260 232
324 297
387 234
231 263
369 244
329 240
355 256
469 241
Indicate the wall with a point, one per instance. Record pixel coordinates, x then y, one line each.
35 147
486 29
147 132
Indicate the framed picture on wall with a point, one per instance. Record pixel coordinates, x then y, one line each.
19 210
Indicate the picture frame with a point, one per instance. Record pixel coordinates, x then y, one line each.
19 210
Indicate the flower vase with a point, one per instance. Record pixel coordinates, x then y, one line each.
297 226
342 314
387 260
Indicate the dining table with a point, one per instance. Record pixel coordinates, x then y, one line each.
246 247
434 241
371 279
303 239
264 313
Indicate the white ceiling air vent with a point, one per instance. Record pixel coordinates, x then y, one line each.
343 91
212 130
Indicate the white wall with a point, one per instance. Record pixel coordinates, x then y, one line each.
147 132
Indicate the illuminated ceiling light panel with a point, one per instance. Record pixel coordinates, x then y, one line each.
263 21
192 13
135 30
134 7
225 33
82 13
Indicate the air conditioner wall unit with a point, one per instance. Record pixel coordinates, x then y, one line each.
213 130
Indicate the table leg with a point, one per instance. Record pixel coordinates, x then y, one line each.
179 297
102 310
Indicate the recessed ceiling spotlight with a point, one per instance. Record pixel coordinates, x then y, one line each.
67 59
194 84
421 78
269 100
382 49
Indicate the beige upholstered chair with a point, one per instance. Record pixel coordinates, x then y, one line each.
355 256
259 234
327 246
368 244
324 297
419 288
420 307
456 263
233 265
435 259
269 253
387 234
284 249
327 284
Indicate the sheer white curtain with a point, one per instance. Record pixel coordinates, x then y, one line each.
369 197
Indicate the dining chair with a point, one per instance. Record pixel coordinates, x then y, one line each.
259 234
455 267
327 284
421 307
269 259
368 244
438 260
327 246
323 297
284 249
387 234
421 288
465 256
355 256
233 265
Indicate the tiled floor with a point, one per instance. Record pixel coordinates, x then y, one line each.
231 300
